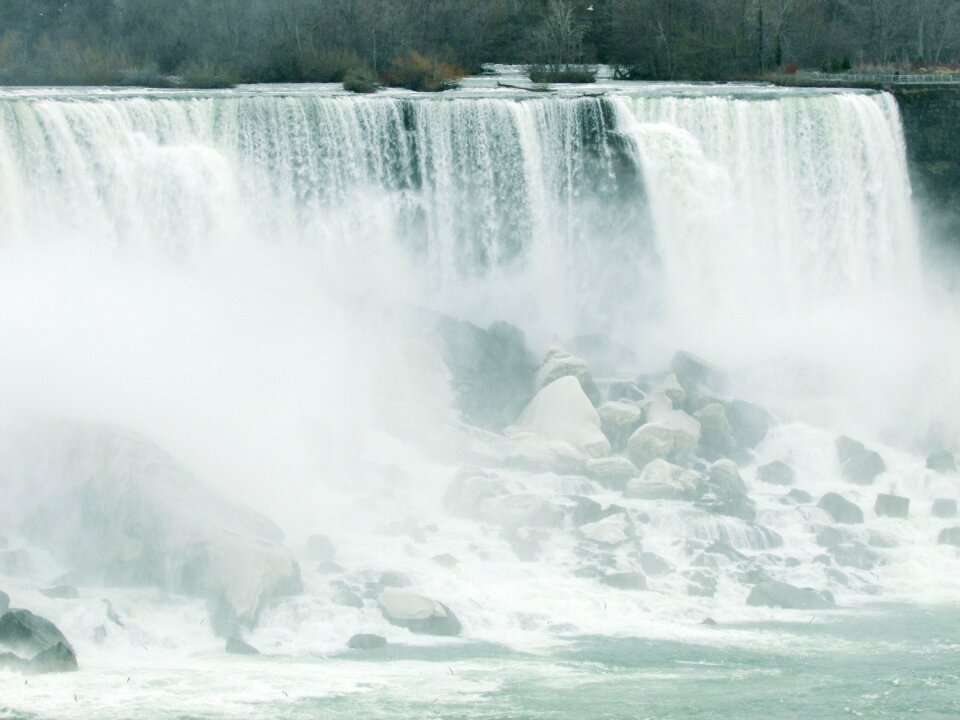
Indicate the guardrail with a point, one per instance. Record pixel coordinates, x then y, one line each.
886 79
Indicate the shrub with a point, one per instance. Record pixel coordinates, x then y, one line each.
561 74
420 72
360 79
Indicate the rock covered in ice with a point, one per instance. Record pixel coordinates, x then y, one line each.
29 636
944 508
116 508
840 509
417 613
771 593
604 355
619 420
776 473
892 506
561 411
558 363
660 480
859 465
942 461
672 435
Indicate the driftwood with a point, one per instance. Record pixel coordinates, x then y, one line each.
528 89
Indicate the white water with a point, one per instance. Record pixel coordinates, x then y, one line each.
237 275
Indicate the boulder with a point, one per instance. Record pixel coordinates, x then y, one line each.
941 508
604 355
723 492
417 613
716 435
672 437
61 592
561 411
660 480
491 371
771 593
692 371
942 461
858 464
613 472
800 496
366 641
611 530
625 580
320 548
653 564
624 390
840 509
558 363
535 453
237 646
27 635
346 597
892 506
749 423
949 536
619 420
776 473
855 555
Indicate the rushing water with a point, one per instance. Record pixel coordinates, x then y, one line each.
241 275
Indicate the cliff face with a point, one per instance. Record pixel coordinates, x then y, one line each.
931 122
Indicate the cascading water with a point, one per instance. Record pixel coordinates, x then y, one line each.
249 278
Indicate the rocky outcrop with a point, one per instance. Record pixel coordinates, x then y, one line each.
34 644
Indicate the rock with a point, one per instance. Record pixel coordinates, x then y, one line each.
417 613
855 555
858 464
117 509
672 391
366 641
625 580
771 593
521 510
61 592
892 506
236 646
944 508
776 473
619 420
4 602
391 578
653 564
672 438
749 423
320 548
562 411
29 635
702 584
723 492
840 509
708 621
692 371
800 496
492 371
831 537
558 363
613 472
536 453
942 461
949 536
623 390
585 510
660 480
347 597
604 355
445 560
611 530
716 435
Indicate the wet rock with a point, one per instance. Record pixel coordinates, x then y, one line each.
320 548
858 464
776 473
771 593
944 508
653 564
417 613
701 584
536 453
831 537
521 510
612 530
716 435
708 621
604 355
672 437
612 472
840 509
625 580
393 579
619 420
366 641
585 510
558 363
492 371
29 635
949 536
721 548
892 506
749 423
855 555
445 560
723 492
59 657
672 392
347 597
237 646
561 411
692 371
800 496
525 542
61 592
838 576
659 480
881 540
942 461
625 391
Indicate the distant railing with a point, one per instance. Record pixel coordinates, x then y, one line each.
886 79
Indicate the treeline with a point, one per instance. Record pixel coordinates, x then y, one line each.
426 43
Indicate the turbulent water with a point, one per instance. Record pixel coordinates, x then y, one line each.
245 278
